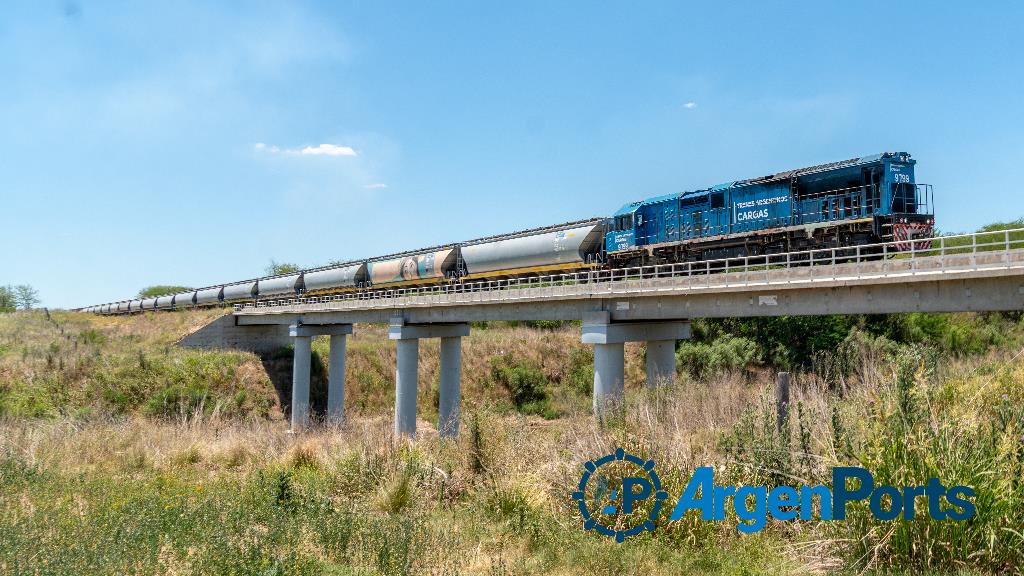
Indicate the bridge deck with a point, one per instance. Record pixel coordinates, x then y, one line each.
981 281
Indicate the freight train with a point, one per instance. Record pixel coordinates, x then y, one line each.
857 202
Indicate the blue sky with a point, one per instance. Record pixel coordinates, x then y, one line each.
190 143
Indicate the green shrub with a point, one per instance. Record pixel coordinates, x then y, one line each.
580 373
117 400
511 505
785 341
91 337
526 384
19 400
724 354
399 494
959 334
178 399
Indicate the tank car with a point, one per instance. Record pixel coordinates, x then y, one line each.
241 291
279 286
341 277
566 247
184 300
209 296
425 266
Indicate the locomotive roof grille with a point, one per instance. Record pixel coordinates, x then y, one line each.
820 168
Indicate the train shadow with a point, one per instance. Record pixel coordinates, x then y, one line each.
278 366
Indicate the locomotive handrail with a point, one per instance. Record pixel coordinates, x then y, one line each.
912 251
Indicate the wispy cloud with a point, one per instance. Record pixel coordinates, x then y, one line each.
318 150
690 105
375 186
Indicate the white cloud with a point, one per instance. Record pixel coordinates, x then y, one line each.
375 186
690 105
318 150
327 150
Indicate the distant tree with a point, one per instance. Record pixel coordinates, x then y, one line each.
998 226
338 262
277 268
8 301
160 290
26 296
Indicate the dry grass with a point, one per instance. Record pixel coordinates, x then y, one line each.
228 492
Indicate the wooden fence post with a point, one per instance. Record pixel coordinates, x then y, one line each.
782 399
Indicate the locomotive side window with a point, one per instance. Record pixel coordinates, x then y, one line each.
718 200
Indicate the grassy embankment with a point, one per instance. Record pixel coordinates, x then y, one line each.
120 453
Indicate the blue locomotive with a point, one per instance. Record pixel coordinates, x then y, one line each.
854 202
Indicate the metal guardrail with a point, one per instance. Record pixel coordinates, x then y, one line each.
964 252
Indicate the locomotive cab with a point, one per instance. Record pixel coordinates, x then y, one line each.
905 214
621 235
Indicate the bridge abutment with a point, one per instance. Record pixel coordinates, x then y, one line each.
302 336
406 374
609 366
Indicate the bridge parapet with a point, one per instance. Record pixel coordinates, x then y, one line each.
957 256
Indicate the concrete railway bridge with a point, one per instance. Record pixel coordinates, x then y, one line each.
976 272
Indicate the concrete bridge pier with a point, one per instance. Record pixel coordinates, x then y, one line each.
336 379
609 376
449 406
302 335
609 358
661 362
406 376
300 381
